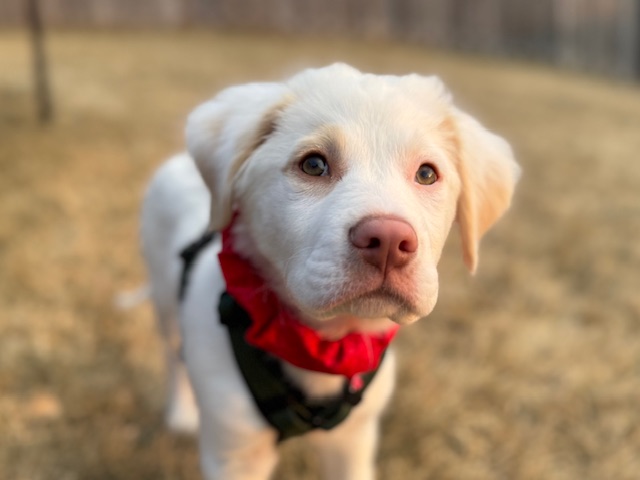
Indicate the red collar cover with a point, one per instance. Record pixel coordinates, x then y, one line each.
276 330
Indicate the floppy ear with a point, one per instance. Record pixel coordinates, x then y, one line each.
223 133
488 174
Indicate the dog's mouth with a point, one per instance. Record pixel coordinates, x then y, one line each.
380 302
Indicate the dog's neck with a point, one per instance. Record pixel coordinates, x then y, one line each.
336 347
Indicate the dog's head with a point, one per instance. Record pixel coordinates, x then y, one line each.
346 185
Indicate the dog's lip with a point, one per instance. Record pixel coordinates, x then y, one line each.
381 292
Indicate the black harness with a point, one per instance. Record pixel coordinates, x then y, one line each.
285 407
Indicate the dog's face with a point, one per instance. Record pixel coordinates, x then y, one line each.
346 185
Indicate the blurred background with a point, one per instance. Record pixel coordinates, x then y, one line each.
529 370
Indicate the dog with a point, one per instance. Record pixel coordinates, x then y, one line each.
335 191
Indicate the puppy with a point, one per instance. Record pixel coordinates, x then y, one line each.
336 191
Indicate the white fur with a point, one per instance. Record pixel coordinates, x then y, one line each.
247 143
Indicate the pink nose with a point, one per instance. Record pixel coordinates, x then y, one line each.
384 242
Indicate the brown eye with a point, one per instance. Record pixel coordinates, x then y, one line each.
426 175
315 165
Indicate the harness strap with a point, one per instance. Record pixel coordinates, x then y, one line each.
189 255
282 404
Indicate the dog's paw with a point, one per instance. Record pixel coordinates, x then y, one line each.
182 418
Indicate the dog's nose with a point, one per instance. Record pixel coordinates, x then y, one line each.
384 242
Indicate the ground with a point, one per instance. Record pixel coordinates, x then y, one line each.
529 370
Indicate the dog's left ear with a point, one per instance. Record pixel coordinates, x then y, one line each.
223 133
488 175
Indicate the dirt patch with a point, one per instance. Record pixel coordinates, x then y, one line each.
530 370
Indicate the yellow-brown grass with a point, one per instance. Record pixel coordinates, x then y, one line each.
530 370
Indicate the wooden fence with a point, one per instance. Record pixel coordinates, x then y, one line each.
594 35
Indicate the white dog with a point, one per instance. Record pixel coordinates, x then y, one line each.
336 191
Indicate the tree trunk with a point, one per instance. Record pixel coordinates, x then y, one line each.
40 72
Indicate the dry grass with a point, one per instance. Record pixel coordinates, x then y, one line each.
529 371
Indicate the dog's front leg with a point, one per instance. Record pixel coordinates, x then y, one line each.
236 442
348 453
251 457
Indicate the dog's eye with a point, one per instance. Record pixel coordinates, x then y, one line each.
315 165
426 175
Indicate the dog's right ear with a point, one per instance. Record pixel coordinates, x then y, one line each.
488 173
223 133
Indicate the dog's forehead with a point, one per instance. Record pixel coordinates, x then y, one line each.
342 96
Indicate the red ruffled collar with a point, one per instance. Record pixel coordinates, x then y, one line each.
276 330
